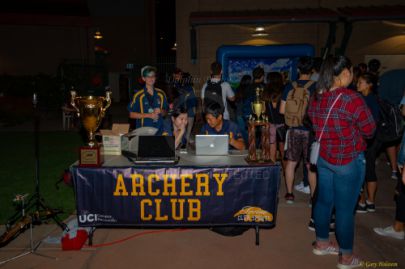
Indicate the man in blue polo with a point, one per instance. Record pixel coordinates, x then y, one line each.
149 104
217 125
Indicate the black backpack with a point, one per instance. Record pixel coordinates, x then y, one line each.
390 126
213 94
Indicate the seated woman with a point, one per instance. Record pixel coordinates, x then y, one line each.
176 127
217 125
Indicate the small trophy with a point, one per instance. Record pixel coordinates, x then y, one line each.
91 110
259 119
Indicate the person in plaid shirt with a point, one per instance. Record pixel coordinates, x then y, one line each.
341 165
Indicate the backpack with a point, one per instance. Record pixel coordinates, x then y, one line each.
296 104
213 94
390 126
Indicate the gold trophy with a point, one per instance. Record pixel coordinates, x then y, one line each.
258 119
259 106
91 110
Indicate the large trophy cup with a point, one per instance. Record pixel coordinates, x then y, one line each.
258 119
91 110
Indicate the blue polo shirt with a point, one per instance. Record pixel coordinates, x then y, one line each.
166 129
143 102
228 127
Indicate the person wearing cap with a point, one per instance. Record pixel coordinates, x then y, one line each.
149 104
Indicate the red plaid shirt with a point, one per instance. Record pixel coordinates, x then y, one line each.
349 123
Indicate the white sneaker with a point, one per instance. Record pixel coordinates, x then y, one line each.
301 188
390 232
394 175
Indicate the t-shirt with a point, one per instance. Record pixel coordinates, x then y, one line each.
372 104
227 92
186 98
228 127
143 102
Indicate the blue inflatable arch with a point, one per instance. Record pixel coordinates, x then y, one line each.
240 60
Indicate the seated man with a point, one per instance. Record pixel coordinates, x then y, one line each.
217 125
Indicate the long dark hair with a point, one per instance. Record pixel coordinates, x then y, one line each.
243 85
370 79
274 87
177 111
331 67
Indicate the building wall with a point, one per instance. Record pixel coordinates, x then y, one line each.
29 50
33 49
367 37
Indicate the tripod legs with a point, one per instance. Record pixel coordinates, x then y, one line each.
32 250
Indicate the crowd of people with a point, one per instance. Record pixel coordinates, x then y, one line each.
331 102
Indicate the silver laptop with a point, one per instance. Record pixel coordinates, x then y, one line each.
213 145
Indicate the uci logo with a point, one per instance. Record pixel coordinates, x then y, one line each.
87 218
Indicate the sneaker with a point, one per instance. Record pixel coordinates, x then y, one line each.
370 207
390 232
361 208
302 188
353 263
331 249
299 186
332 228
394 175
311 225
289 198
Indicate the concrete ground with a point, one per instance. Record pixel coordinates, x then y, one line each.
288 245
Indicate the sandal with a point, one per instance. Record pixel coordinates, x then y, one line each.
353 263
330 249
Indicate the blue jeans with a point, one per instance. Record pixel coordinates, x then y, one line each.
242 127
339 187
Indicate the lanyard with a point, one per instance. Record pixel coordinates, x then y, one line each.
150 98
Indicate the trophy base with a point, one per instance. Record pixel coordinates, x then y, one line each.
90 156
258 162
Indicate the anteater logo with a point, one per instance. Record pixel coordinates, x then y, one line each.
253 214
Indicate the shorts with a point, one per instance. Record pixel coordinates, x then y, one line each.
273 132
297 145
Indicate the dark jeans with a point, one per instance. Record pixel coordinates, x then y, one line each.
339 187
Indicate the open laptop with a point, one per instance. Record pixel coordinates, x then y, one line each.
213 145
156 149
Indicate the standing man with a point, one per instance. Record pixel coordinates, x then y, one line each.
294 103
217 91
149 104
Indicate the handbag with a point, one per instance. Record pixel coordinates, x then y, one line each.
315 146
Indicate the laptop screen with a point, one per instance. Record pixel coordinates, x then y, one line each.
214 145
156 146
